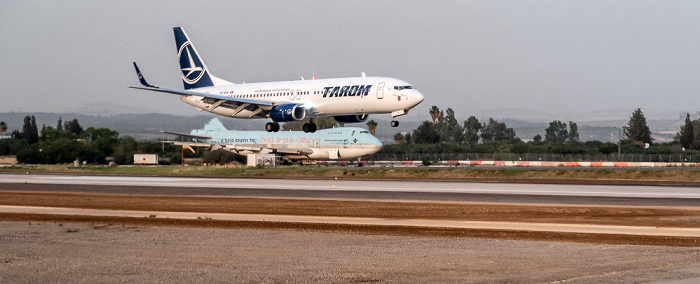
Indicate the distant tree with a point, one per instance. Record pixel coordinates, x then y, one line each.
472 127
556 133
637 128
49 134
29 130
398 138
16 134
451 130
434 113
372 126
73 127
573 131
59 126
686 134
407 138
537 139
695 144
125 149
3 127
496 131
425 133
101 139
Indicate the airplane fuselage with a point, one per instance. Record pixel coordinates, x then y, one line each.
334 143
321 97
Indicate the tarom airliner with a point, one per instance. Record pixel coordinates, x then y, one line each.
348 100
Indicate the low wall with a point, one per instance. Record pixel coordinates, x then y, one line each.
8 160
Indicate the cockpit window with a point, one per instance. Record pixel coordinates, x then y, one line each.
364 131
402 87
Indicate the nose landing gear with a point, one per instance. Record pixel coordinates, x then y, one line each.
395 123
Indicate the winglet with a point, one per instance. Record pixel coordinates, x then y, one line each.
142 79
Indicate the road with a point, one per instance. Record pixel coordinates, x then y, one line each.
368 186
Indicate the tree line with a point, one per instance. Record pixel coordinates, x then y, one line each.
444 134
68 141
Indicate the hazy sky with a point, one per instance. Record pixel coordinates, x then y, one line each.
555 56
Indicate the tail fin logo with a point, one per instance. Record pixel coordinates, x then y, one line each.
192 67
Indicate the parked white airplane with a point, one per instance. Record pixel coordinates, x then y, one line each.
290 146
346 99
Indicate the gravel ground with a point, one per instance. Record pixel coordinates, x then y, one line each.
77 252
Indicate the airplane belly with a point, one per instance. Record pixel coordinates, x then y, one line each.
349 153
350 105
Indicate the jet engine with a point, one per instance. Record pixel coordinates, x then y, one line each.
351 118
287 112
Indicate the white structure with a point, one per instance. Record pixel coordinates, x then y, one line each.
267 160
145 159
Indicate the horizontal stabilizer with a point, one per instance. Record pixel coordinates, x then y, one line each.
187 135
189 144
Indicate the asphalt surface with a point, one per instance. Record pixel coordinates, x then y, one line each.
61 250
47 252
660 195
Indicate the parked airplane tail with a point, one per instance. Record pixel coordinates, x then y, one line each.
195 73
215 125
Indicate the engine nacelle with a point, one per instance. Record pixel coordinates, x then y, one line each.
287 112
351 118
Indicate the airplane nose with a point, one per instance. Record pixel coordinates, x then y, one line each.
416 97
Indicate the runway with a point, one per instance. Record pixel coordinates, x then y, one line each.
367 186
660 214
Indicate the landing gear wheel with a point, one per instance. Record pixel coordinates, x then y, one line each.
394 123
309 127
272 127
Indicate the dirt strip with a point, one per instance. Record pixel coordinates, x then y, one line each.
99 221
539 213
564 214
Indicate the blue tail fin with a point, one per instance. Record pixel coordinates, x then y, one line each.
194 72
214 125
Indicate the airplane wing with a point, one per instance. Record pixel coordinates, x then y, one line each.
247 149
237 103
293 151
187 135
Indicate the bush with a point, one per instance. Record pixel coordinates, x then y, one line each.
426 161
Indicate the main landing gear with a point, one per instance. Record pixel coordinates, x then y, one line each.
272 127
394 123
309 127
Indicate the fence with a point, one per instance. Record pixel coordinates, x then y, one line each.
664 158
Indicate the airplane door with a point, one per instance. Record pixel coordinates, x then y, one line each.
298 94
291 95
333 154
345 143
380 91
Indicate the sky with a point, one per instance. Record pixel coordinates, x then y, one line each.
548 56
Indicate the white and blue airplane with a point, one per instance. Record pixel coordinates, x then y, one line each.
348 100
291 146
